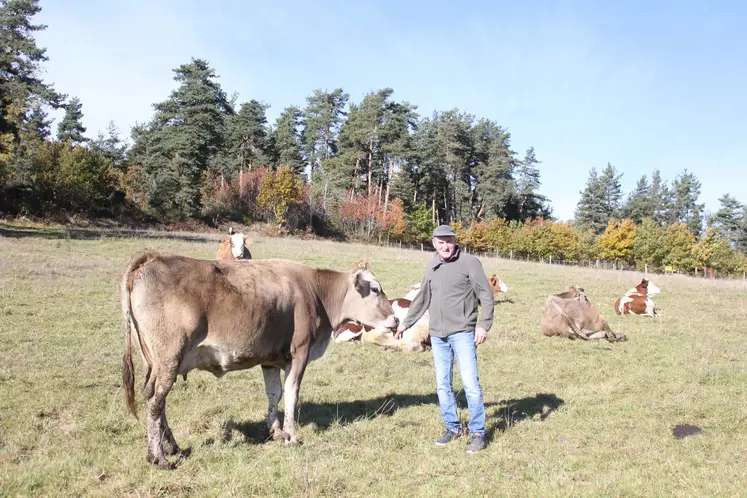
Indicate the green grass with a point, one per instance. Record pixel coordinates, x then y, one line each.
566 418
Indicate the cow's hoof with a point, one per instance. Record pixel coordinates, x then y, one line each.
161 462
170 449
293 442
278 435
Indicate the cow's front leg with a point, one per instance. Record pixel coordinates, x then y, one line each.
293 374
274 390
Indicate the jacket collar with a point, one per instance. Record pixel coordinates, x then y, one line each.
437 261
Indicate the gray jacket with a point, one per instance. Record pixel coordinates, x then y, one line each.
451 290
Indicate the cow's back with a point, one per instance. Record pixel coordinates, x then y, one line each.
246 309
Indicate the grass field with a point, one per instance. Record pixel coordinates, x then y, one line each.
565 418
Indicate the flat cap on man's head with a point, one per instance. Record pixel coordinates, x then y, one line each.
444 231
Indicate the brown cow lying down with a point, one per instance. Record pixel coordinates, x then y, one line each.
574 317
233 247
416 338
183 313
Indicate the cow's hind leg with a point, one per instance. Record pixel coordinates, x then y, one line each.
168 444
293 375
160 438
274 390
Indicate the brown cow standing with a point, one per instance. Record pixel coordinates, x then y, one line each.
183 313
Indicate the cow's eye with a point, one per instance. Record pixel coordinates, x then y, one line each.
376 290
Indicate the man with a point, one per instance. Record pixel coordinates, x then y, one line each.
454 283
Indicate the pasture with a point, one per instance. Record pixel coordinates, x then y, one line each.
565 418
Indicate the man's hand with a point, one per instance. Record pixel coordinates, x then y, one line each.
480 335
400 330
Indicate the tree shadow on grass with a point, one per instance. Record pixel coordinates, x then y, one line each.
324 415
98 233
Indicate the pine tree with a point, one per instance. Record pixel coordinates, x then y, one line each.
741 239
322 118
111 146
612 190
660 198
285 141
71 128
591 211
494 169
686 190
185 135
639 204
22 92
728 219
246 138
532 203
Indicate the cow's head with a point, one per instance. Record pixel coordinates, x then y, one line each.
238 240
648 288
497 285
365 300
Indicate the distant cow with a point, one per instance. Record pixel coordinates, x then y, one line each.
497 286
637 301
233 247
183 313
574 317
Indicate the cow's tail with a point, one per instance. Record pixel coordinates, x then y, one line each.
128 325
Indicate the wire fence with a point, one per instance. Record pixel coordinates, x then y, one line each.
601 264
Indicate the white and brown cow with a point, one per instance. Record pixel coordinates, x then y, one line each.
219 316
637 301
571 315
498 287
416 338
233 247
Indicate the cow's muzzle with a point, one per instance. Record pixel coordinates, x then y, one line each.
391 322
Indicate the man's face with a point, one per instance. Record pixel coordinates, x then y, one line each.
445 246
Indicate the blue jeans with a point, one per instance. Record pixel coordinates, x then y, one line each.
461 345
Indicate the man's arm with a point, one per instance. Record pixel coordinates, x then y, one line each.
481 286
419 305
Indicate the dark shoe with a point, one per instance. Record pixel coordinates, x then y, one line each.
479 442
448 437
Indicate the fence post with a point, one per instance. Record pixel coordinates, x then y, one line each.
511 254
645 269
421 247
551 259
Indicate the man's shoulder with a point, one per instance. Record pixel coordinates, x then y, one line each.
468 258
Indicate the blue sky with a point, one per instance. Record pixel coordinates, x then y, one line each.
643 85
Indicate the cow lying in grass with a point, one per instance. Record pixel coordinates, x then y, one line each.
417 338
498 287
637 301
571 315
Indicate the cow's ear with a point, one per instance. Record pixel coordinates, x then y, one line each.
361 283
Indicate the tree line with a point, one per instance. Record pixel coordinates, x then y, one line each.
373 169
